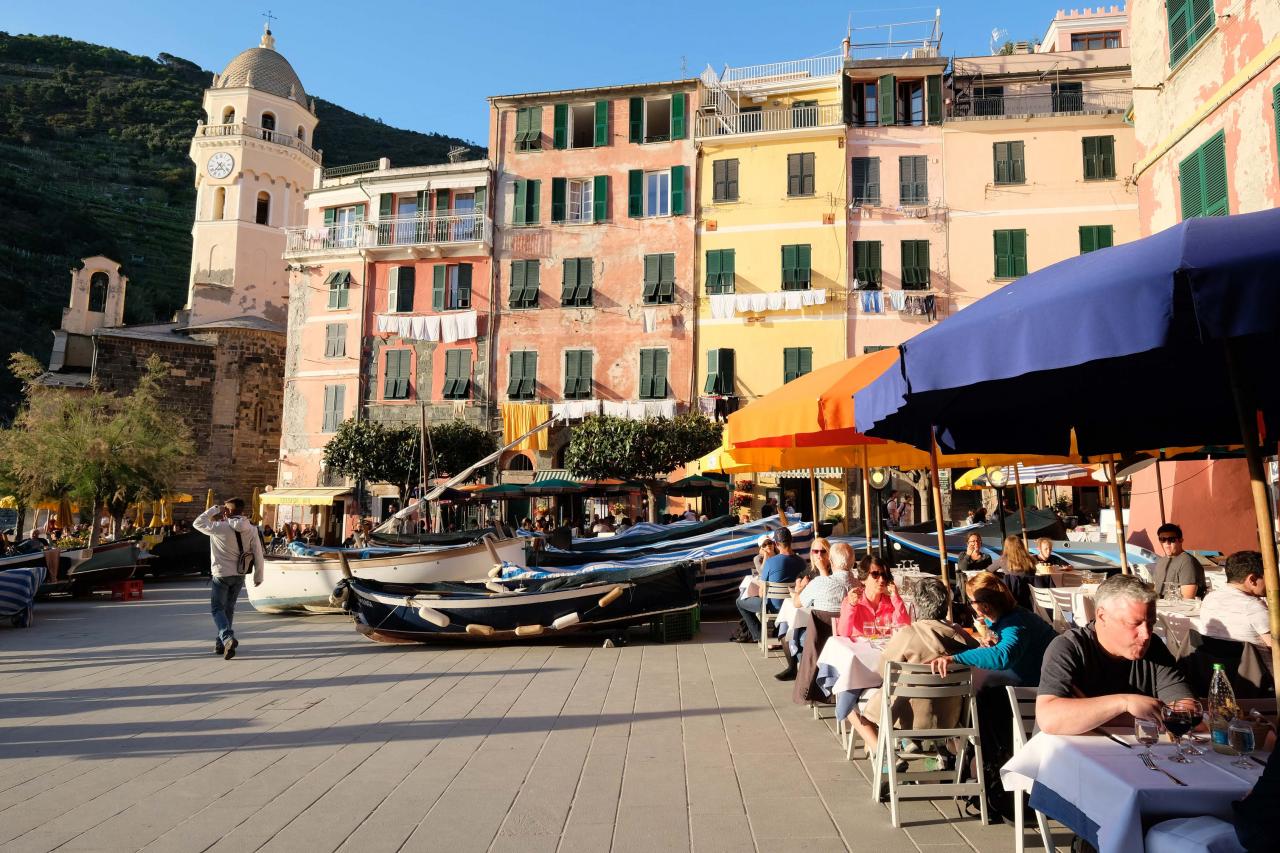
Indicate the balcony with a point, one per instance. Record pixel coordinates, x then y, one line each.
984 104
252 131
769 121
773 73
410 232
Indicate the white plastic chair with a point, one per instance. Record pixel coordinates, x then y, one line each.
1064 606
767 616
1044 601
1023 701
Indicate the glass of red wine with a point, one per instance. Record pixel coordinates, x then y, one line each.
1179 719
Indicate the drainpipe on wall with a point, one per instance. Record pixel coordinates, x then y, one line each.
494 202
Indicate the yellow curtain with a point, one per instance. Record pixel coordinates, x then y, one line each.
519 418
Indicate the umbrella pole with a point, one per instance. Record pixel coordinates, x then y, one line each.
1160 491
867 502
1022 510
1114 483
935 488
813 498
1246 415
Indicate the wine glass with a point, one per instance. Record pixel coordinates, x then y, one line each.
1240 737
1146 732
1179 719
870 630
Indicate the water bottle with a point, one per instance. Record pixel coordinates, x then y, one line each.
1222 708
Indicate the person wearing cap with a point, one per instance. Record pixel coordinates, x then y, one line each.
235 552
783 567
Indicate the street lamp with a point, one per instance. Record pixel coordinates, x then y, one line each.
878 478
998 478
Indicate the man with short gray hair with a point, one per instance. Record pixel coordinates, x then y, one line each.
1113 667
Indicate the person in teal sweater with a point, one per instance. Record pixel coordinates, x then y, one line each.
1014 644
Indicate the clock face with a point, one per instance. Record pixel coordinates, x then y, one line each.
220 165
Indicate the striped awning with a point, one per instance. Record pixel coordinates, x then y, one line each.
820 473
304 497
1030 475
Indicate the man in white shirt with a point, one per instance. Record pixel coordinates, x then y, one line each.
234 552
1238 611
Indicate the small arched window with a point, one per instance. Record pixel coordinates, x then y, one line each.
220 203
98 292
268 121
520 462
229 115
263 216
302 134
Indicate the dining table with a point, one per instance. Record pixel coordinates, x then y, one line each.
847 666
1100 788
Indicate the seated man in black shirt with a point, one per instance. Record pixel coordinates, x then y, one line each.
1111 668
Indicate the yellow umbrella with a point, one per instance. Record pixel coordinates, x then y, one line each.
8 502
165 516
179 498
155 515
208 499
255 511
65 513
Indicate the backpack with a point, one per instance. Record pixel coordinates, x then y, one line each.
244 559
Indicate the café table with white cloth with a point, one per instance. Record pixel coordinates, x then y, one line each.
791 621
1104 792
848 665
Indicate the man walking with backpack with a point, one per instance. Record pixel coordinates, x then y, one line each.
235 551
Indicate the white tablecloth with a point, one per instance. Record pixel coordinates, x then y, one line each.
1102 791
1082 606
856 663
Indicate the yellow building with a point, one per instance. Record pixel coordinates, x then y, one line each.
773 292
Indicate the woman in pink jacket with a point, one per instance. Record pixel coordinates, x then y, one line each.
878 601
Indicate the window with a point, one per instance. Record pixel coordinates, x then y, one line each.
659 279
220 203
1099 158
525 211
720 271
581 125
342 226
1094 237
577 374
335 340
335 397
724 180
866 264
457 374
451 287
1095 41
653 374
229 115
1011 253
528 129
576 288
915 264
720 378
339 284
1010 167
1189 22
268 122
796 362
866 180
300 134
395 379
804 113
988 101
1203 180
864 104
658 119
800 174
524 284
1067 97
523 379
263 214
913 180
572 199
98 292
400 283
909 109
520 462
797 270
657 193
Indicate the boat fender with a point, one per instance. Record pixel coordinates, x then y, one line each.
435 617
610 597
528 630
480 630
496 571
565 621
495 587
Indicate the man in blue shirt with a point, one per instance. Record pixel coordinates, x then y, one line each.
783 567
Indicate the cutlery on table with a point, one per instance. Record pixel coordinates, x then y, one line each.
1151 763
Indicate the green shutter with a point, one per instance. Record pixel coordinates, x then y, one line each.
423 195
602 124
650 291
667 277
1275 111
385 200
571 373
1090 145
529 378
514 371
1213 171
887 91
790 364
1105 236
713 372
794 176
558 186
635 192
586 281
713 271
560 127
515 298
518 212
1003 252
1018 166
1018 248
1088 239
646 374
1191 186
728 382
532 283
804 265
635 124
442 202
933 88
535 192
677 190
788 266
439 275
678 111
1107 156
569 281
1179 28
464 286
330 216
522 127
659 374
600 196
535 127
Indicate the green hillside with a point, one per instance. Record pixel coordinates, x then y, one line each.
93 160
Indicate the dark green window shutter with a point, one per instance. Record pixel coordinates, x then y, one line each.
804 266
1191 186
464 286
423 195
788 267
602 124
660 388
1105 236
635 120
728 275
933 87
330 216
915 264
635 192
515 298
866 263
533 282
1179 28
522 128
866 180
724 180
560 126
557 199
482 201
1093 237
569 281
1000 161
790 364
1018 250
442 203
586 281
535 199
713 372
578 374
403 288
600 198
457 374
651 264
515 373
646 374
385 201
887 90
1107 156
793 174
1091 170
679 102
529 376
535 127
800 174
677 190
1213 158
807 174
439 275
1018 165
913 180
713 271
727 379
1003 255
519 211
395 385
667 277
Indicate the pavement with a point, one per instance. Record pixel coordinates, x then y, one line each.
120 730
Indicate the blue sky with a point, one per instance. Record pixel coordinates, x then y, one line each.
429 64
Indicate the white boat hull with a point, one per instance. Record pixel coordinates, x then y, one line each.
303 584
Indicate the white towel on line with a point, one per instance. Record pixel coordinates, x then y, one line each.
793 300
722 305
650 320
449 328
404 327
419 328
467 325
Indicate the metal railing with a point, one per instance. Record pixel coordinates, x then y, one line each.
765 121
351 169
385 233
1040 103
795 69
275 137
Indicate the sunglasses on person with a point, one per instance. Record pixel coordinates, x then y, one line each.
878 575
1168 539
817 550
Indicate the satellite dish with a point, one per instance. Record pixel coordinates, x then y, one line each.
998 38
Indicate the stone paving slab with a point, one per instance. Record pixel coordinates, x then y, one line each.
121 731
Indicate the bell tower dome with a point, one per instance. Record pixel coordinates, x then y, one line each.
253 161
